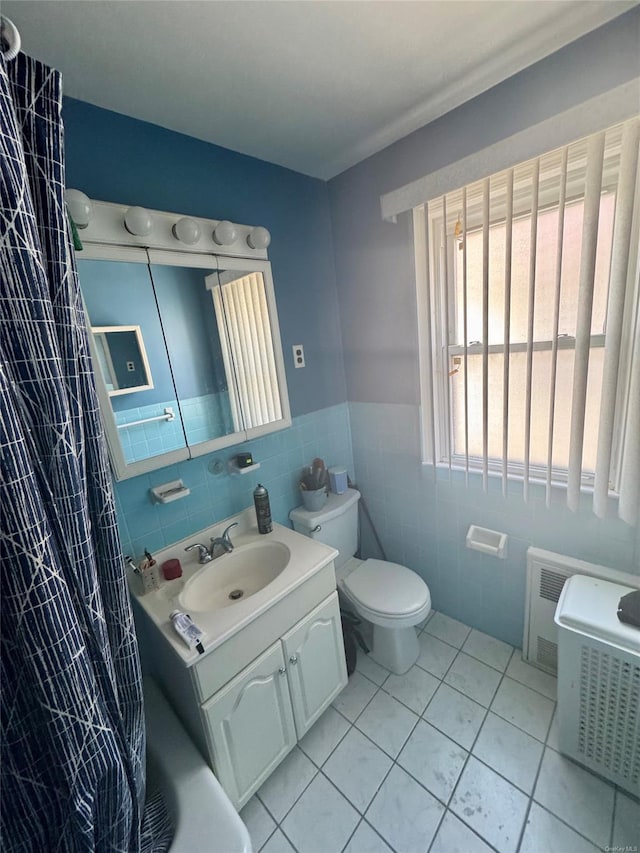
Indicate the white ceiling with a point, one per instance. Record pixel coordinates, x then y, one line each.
314 86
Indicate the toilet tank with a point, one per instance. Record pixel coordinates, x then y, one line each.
336 524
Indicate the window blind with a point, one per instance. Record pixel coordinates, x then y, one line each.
529 322
242 315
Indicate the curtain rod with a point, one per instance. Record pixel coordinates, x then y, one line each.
9 38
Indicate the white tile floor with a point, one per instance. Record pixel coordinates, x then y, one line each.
457 756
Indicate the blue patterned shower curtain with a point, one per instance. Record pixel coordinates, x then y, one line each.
72 757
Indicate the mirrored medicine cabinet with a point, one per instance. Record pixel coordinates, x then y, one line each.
186 351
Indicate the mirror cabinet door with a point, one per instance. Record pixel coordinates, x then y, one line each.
244 301
192 336
141 422
188 352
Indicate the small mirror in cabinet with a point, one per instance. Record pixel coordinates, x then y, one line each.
122 359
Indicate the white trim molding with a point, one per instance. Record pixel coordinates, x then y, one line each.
589 117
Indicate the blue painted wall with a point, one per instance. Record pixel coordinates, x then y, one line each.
423 519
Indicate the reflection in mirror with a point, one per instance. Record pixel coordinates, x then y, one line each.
122 358
119 293
195 351
244 327
205 327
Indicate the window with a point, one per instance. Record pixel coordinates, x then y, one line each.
528 303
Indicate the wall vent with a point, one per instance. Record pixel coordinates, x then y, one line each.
546 576
551 583
547 654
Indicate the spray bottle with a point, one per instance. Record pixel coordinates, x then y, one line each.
263 509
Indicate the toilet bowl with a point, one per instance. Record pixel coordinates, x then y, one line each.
394 600
390 596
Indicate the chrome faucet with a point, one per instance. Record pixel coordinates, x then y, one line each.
203 554
223 541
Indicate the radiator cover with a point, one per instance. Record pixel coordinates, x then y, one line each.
599 682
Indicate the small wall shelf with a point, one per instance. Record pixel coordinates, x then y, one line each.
169 492
233 467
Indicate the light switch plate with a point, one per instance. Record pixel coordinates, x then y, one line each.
298 355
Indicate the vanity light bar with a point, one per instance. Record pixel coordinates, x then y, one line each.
117 224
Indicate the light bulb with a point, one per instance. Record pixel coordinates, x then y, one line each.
138 221
187 231
258 238
79 206
225 233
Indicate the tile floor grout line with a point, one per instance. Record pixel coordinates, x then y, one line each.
613 816
268 838
355 829
535 783
373 829
286 814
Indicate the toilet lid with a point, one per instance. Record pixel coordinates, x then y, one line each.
387 587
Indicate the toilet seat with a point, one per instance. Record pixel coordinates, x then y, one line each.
387 591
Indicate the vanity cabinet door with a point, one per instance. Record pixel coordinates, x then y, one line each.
250 725
316 666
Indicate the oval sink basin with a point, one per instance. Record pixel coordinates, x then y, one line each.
234 577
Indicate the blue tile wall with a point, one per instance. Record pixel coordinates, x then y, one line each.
150 439
423 520
282 455
203 418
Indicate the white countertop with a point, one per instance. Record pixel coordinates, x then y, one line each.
307 557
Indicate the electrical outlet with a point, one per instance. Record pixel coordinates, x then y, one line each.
298 355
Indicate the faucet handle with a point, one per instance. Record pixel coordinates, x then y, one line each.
225 534
203 554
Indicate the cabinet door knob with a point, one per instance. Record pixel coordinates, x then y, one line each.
282 670
293 659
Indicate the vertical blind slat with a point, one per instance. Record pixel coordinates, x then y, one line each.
593 186
508 246
615 310
485 333
445 355
234 400
556 318
629 505
533 240
465 332
426 331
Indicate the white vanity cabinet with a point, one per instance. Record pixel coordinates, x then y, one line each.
253 722
273 661
315 661
249 725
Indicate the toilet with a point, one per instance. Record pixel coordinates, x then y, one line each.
391 597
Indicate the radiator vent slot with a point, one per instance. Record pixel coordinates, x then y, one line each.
551 584
547 655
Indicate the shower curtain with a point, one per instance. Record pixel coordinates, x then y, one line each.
72 762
